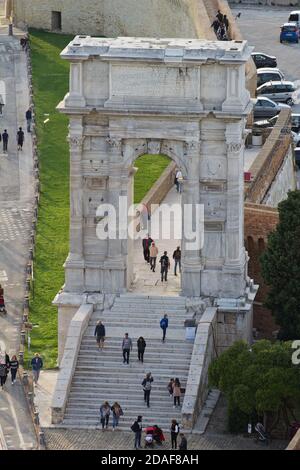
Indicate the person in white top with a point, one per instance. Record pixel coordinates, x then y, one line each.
178 180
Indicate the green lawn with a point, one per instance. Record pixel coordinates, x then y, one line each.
150 167
50 82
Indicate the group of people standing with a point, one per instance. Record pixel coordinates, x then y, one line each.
4 136
157 434
106 410
150 252
6 365
221 26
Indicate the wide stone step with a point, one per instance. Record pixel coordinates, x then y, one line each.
115 395
133 369
90 379
153 344
115 357
127 325
134 411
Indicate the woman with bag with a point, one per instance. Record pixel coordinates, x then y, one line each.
176 392
104 414
117 412
147 388
14 365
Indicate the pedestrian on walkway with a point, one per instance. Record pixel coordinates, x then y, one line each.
170 387
174 433
2 302
37 365
178 181
165 266
20 138
137 429
215 25
100 335
220 16
153 256
141 346
183 442
147 386
104 414
28 116
147 242
4 367
14 365
164 323
126 347
176 392
226 23
117 412
5 137
177 260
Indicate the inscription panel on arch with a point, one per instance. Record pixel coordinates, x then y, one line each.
155 81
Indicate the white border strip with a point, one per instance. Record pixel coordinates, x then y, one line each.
3 445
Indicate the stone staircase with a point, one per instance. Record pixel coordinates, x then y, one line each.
101 376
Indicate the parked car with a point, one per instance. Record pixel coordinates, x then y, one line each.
289 33
263 60
265 123
295 122
264 107
296 138
297 156
295 17
268 74
281 92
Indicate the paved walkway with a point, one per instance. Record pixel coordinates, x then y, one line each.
145 280
16 196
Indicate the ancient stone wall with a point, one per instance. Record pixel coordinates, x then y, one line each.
164 18
286 3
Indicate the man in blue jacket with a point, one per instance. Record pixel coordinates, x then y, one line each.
37 365
164 323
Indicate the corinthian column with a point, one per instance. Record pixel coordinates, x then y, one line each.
190 199
234 251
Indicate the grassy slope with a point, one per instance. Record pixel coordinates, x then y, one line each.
50 81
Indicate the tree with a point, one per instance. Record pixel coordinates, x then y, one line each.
258 381
280 265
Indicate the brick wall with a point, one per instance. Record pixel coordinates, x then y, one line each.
259 222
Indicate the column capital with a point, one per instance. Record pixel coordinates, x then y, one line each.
75 141
191 145
115 143
234 147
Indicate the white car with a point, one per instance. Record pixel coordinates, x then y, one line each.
268 74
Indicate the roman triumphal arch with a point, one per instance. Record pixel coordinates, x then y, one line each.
183 98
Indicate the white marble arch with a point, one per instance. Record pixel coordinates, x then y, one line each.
183 98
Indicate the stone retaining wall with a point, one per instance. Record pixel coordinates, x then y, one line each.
205 348
76 330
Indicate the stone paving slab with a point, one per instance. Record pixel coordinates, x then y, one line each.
59 439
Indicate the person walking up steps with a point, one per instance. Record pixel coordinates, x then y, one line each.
5 140
183 442
126 347
164 323
165 266
20 138
176 392
14 365
117 412
174 433
104 414
141 346
137 429
177 260
147 386
100 335
153 256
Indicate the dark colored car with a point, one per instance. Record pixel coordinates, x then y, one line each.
263 60
265 108
297 156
